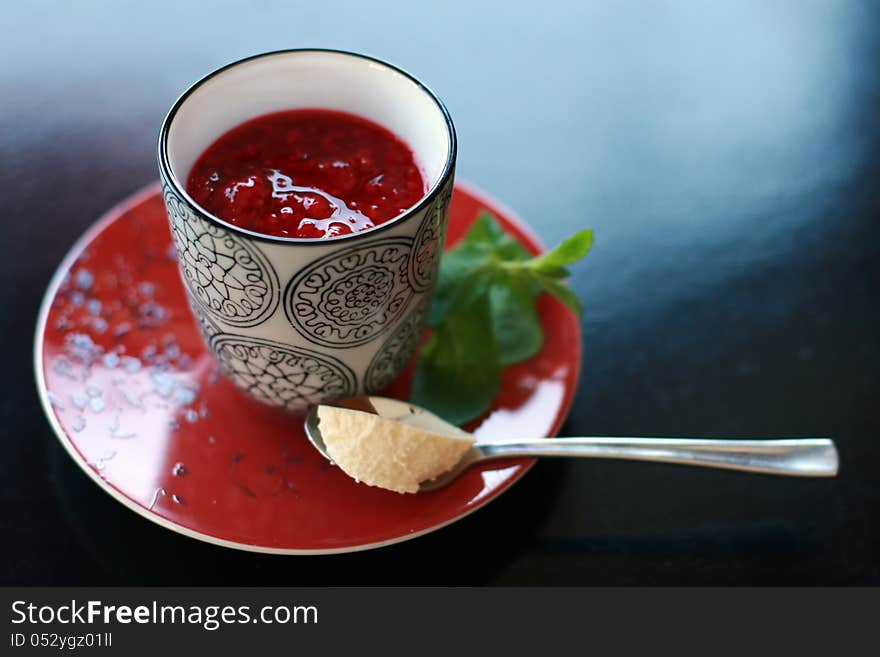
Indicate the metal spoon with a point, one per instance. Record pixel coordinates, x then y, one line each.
799 457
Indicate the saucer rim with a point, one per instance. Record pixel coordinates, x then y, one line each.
70 258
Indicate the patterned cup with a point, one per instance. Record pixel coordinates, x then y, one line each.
296 321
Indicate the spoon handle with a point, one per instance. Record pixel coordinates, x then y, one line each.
800 457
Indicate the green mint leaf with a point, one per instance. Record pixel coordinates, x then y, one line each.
472 264
483 316
515 321
566 252
455 267
485 231
462 288
486 236
551 271
458 373
561 291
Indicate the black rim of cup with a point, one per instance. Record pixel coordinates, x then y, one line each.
180 190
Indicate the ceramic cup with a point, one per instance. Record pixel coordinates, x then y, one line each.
296 321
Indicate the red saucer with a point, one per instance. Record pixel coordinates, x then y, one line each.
140 406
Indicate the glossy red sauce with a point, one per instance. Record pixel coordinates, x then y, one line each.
310 173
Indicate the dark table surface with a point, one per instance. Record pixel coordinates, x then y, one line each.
727 156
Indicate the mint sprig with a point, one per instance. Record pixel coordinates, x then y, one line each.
483 316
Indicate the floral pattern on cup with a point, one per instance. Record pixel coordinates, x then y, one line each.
282 375
353 295
226 274
426 250
397 350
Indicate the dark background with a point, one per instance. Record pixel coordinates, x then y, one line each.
727 156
